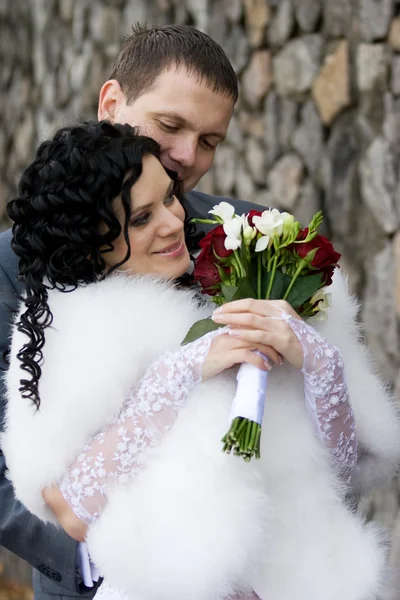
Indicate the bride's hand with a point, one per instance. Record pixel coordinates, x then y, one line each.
227 350
261 322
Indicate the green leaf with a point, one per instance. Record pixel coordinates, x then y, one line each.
228 291
265 279
304 288
245 290
280 285
199 329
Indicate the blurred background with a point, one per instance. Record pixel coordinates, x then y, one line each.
316 126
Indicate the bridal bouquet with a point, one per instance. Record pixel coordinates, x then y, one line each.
262 255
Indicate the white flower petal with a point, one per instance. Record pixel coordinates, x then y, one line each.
271 222
249 233
319 295
232 243
224 211
278 227
321 315
245 221
262 243
265 225
328 299
233 228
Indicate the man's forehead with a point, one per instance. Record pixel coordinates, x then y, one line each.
179 69
177 72
187 77
182 95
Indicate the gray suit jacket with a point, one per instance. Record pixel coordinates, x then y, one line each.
50 551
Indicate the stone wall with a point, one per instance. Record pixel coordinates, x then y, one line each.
317 124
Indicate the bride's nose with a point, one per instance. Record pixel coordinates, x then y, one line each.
171 224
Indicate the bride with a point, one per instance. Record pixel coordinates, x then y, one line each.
126 423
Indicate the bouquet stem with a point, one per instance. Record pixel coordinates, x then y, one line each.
271 281
299 269
259 274
243 438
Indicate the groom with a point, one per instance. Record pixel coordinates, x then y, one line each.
178 86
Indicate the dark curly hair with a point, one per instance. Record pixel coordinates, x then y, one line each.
64 196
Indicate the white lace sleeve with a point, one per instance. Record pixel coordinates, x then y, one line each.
115 453
326 396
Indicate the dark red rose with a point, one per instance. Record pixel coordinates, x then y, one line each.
207 275
327 274
326 258
215 239
205 270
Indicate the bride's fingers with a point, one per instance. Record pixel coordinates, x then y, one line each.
259 307
262 339
271 353
247 320
228 343
284 342
264 349
272 333
251 342
245 355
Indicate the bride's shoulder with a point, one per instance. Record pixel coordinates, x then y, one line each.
124 302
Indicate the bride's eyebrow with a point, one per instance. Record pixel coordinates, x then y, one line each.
151 204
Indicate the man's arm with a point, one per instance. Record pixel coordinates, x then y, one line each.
46 548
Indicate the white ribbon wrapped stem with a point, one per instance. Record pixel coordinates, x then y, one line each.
251 388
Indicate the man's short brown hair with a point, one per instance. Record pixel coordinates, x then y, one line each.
149 51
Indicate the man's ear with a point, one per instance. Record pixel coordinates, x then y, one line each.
110 96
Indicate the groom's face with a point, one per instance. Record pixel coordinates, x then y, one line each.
181 113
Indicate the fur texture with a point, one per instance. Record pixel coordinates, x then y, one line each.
197 524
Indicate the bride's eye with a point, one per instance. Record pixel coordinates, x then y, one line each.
170 199
143 219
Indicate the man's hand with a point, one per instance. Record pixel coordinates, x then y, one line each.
64 514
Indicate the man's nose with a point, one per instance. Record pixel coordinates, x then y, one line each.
184 152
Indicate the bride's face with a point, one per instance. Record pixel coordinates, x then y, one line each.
155 228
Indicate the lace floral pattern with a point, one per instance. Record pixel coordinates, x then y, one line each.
326 395
115 454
